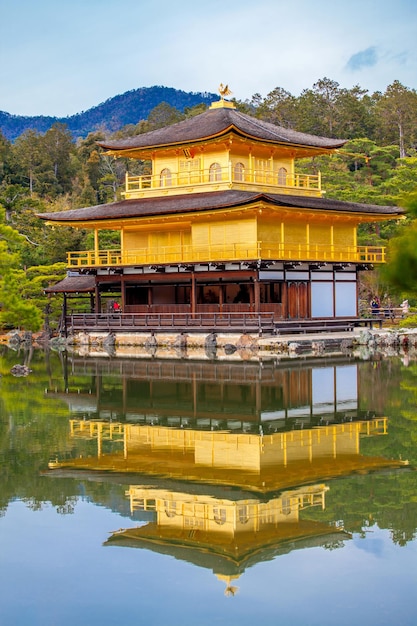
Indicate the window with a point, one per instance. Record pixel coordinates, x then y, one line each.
286 506
243 514
215 172
239 170
170 508
165 178
271 293
189 171
209 295
282 176
263 172
136 294
262 164
219 515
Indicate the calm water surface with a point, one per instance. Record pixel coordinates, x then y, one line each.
186 491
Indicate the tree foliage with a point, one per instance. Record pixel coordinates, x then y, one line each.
401 271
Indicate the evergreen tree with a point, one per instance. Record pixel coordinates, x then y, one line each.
397 117
15 310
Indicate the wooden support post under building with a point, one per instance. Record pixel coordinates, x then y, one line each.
97 300
257 295
193 294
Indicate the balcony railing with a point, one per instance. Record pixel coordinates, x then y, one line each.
226 253
280 182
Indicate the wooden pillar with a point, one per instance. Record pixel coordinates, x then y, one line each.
221 296
284 304
251 296
193 294
99 439
332 242
64 315
122 293
96 247
97 299
149 295
258 401
257 295
194 386
122 244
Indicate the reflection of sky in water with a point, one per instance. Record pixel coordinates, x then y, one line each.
72 578
374 544
334 388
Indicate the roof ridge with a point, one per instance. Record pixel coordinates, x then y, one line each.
273 128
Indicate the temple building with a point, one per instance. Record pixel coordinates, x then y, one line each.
223 225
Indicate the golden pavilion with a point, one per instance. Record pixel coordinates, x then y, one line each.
221 230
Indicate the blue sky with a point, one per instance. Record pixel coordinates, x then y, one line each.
61 57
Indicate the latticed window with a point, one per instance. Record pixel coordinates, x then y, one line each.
189 165
282 176
286 506
243 514
263 164
219 515
170 508
238 171
165 178
215 172
189 171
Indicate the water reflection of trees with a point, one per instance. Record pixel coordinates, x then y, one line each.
386 500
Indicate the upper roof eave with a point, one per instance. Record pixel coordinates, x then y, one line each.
224 133
216 123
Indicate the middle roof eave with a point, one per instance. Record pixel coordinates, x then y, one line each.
180 204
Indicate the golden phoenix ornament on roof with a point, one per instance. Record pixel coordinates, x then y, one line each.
224 90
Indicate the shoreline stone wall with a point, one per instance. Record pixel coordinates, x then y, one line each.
360 342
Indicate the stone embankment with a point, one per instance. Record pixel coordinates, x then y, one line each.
362 342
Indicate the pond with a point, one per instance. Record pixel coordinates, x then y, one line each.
206 491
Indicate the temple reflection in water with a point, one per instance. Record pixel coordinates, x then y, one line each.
217 394
221 459
224 534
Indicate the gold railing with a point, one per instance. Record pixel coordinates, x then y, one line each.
228 252
224 175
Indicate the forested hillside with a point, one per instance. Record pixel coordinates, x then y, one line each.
49 169
111 115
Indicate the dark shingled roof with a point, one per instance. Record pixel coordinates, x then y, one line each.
73 284
170 205
217 122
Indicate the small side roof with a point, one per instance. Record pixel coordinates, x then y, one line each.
73 284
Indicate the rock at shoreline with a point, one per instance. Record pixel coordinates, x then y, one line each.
20 370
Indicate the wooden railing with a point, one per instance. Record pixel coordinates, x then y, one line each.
176 322
279 181
228 252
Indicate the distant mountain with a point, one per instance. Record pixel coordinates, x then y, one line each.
128 108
